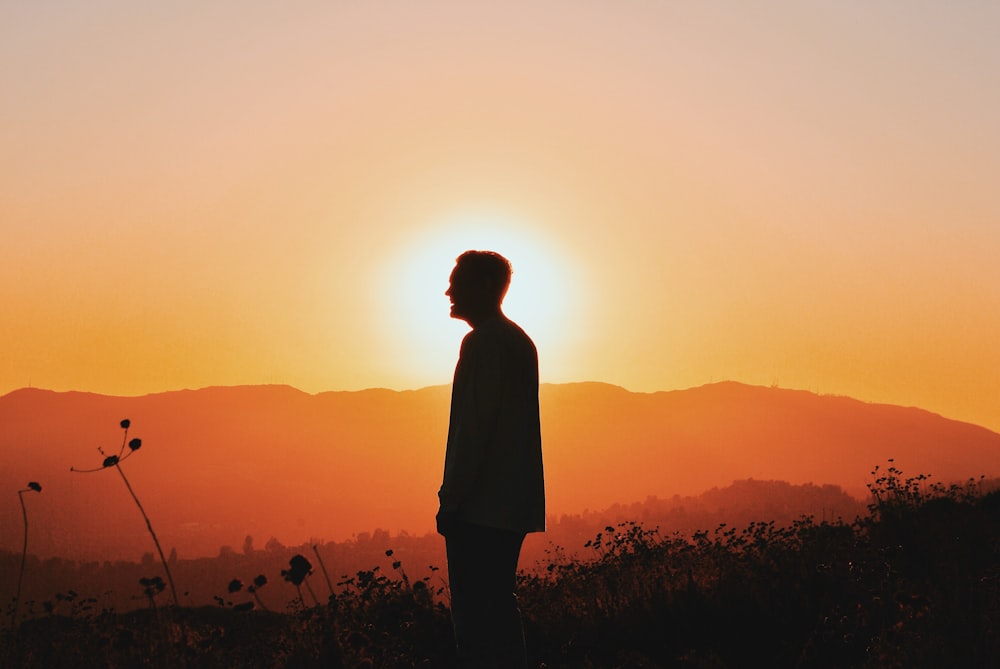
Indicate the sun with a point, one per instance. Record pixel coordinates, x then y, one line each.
419 339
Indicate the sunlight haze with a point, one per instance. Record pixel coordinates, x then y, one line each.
778 193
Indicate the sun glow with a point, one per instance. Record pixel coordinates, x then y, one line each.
419 337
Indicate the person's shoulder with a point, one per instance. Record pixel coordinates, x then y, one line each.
492 332
496 331
511 332
502 327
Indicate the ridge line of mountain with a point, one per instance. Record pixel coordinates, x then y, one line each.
596 385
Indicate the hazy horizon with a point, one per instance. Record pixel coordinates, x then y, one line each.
220 463
448 386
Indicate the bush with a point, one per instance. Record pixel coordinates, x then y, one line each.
916 583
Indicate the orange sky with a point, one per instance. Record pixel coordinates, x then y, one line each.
800 194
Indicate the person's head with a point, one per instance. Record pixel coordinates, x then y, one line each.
478 285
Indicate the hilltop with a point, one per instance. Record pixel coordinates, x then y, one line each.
218 464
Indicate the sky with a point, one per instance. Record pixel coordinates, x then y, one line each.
786 193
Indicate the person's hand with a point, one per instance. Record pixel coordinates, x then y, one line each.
446 521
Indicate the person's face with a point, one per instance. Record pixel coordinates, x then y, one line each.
468 298
466 301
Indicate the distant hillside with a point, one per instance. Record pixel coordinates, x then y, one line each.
115 584
219 464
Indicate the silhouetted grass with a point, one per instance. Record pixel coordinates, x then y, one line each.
916 583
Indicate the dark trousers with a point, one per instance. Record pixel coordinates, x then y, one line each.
482 572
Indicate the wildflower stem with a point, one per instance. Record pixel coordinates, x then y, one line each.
311 593
323 567
302 600
24 555
149 526
258 600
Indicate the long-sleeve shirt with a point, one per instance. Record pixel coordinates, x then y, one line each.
493 462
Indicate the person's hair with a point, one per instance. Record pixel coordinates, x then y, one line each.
488 269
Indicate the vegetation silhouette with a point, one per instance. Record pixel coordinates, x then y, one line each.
33 486
115 461
914 582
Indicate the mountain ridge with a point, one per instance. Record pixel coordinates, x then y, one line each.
223 462
383 390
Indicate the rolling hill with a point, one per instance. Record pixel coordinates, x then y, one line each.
218 464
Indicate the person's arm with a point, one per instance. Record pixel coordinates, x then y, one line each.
478 389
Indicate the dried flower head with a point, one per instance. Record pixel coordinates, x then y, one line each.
299 568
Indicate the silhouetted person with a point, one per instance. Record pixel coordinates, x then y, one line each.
492 493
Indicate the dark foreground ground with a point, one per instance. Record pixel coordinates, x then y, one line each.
914 584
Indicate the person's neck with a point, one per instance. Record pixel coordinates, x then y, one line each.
478 319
